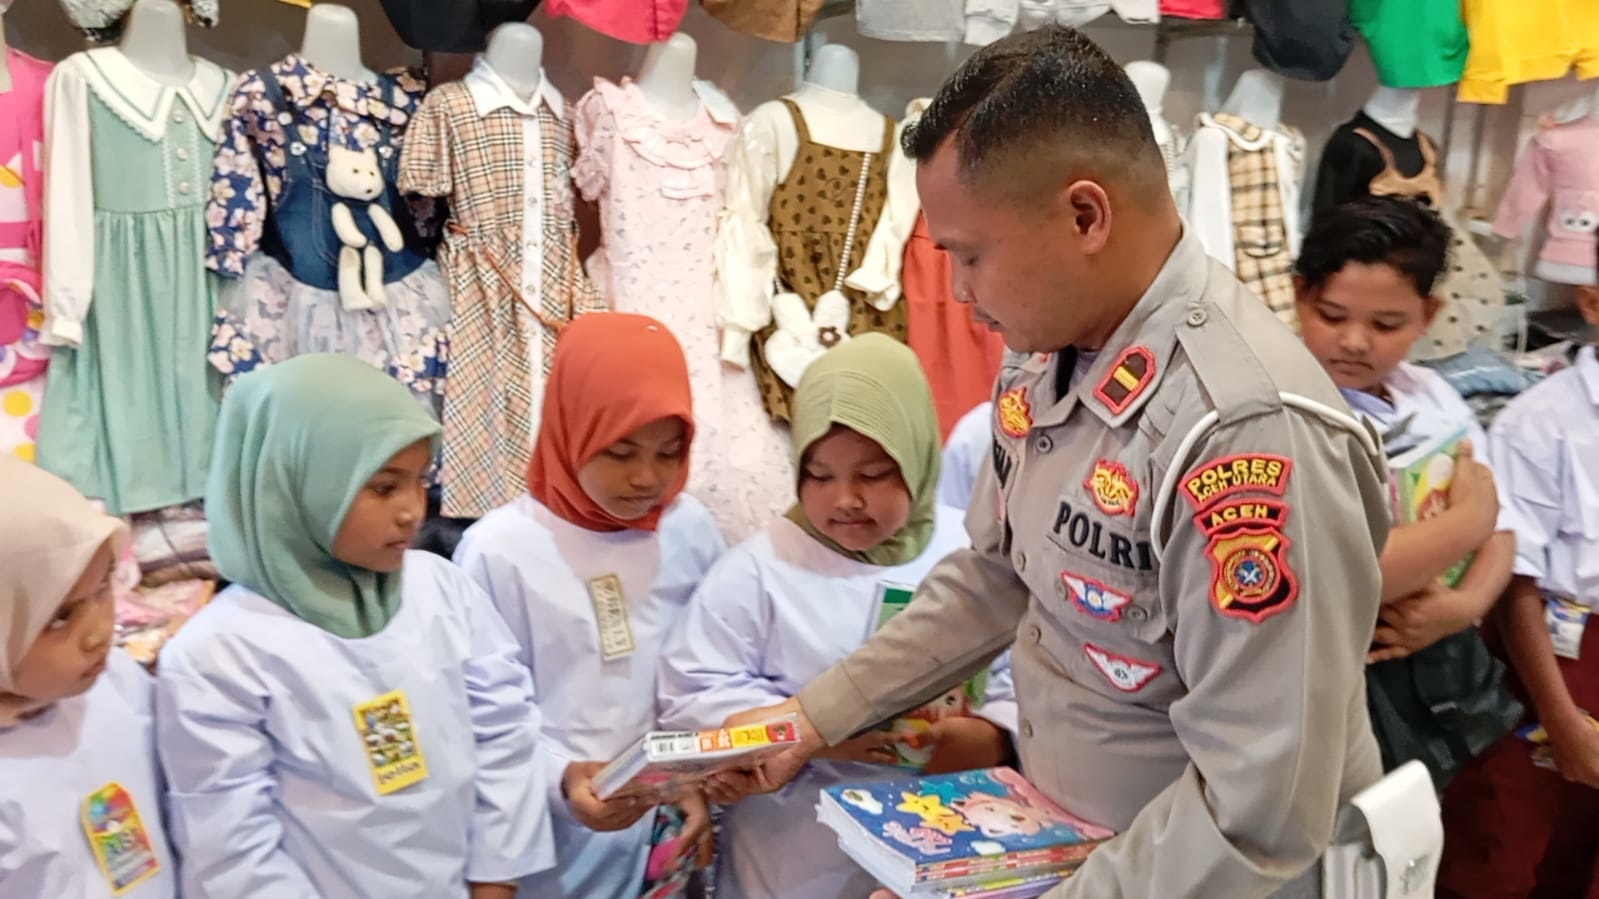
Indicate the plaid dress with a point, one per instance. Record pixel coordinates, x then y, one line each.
497 334
1262 256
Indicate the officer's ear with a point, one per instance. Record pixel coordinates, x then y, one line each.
1429 309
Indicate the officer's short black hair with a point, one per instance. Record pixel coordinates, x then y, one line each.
1035 109
1403 233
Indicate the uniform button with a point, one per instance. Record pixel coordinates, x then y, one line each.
1197 317
183 187
1021 561
1035 634
182 154
178 116
1043 444
1027 729
1137 613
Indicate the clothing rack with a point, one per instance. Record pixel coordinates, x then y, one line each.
1168 30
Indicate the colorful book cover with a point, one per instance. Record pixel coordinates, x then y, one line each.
1420 479
1535 735
663 762
959 702
951 830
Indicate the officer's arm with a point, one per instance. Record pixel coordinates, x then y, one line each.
963 615
1270 639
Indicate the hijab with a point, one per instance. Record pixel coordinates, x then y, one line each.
613 373
46 543
295 444
873 385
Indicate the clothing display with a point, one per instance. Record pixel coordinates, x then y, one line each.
1559 169
272 235
460 26
23 355
785 21
1194 9
1364 158
1413 43
637 21
1244 205
1514 42
989 21
1308 41
510 254
101 21
659 185
959 356
129 414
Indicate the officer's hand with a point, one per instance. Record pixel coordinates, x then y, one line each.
1472 492
729 787
577 785
961 744
1575 746
1420 620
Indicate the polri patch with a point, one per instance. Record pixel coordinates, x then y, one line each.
1113 490
1126 674
1093 598
1133 371
1220 478
1013 413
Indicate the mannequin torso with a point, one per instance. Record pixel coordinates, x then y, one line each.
155 43
667 78
332 42
1394 109
516 53
1257 98
1151 79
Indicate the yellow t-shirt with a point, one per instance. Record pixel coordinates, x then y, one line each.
1516 41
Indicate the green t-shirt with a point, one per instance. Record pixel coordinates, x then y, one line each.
1414 43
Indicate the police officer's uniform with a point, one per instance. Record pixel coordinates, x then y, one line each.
1183 547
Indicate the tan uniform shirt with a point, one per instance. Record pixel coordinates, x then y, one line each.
1183 550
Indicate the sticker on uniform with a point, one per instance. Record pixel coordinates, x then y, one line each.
1221 478
1013 413
1094 598
1113 490
1250 577
1566 621
1125 674
610 616
1127 378
121 845
389 737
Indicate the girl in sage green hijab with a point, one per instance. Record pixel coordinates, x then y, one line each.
785 605
349 718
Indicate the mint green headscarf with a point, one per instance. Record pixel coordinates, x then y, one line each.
295 443
874 386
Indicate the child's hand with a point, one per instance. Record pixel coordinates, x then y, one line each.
961 744
1472 490
696 836
1575 746
875 747
492 891
1420 620
577 785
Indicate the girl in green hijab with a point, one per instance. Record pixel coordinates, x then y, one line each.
785 605
358 710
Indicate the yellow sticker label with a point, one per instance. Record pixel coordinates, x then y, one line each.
389 738
610 616
117 836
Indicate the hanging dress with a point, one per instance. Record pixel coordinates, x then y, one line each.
22 356
659 186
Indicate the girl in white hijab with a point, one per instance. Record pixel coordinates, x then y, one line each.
80 797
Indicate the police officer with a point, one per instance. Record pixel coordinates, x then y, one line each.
1179 530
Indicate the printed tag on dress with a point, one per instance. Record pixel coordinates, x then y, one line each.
610 616
389 738
1125 674
117 836
1566 621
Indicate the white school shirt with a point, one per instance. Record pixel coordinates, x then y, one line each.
272 793
537 568
775 612
1545 446
966 451
54 763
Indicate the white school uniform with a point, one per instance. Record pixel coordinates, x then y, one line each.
966 451
775 612
54 769
1545 447
273 791
542 573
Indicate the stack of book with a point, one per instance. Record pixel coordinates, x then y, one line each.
973 835
1419 486
662 763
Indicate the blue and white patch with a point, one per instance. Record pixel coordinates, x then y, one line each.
1093 598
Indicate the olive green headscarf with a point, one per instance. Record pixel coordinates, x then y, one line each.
295 444
874 386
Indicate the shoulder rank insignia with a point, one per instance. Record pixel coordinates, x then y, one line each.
1114 491
1015 416
1133 371
1248 553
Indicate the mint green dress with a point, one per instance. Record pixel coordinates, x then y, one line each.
129 404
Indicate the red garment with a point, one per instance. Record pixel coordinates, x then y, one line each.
613 373
637 21
961 358
1194 9
1513 830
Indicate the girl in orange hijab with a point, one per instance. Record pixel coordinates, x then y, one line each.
591 570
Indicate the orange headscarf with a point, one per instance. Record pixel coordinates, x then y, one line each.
614 373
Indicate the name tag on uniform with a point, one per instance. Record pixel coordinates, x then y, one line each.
117 836
389 737
1566 621
610 616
